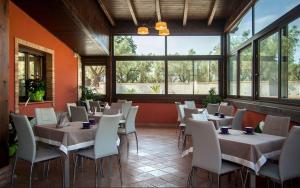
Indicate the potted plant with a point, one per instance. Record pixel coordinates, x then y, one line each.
212 98
36 89
90 94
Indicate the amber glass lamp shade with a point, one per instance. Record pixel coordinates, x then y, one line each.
164 32
160 25
143 31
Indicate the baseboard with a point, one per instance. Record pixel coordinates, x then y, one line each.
157 125
5 176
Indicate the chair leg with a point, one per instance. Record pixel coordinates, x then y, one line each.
184 143
242 179
48 168
96 173
74 171
189 181
13 170
137 142
62 171
120 168
218 181
127 145
179 136
101 168
30 175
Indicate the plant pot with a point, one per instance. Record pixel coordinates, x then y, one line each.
36 96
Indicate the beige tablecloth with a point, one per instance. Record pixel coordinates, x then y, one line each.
68 138
227 120
251 151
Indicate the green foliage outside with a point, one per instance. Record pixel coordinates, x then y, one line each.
90 94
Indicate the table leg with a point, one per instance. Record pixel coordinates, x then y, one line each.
252 180
67 172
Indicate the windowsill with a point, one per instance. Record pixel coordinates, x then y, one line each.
33 103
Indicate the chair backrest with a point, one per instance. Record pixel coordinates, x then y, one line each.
181 112
111 111
78 113
125 109
116 105
190 104
95 106
130 122
226 110
106 136
212 108
121 101
237 122
68 106
45 116
289 164
178 113
188 114
276 125
199 117
88 107
223 103
26 141
206 146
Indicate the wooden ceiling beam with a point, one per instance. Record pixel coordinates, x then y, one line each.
245 5
132 12
106 12
212 12
185 12
157 10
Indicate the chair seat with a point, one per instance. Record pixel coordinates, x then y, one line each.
228 167
88 153
122 121
44 154
270 170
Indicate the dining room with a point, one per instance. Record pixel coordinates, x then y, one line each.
150 93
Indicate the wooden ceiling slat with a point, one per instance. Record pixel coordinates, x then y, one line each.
212 13
106 12
157 9
185 12
132 12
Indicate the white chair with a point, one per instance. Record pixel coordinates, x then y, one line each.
178 112
190 104
125 109
68 106
187 131
111 111
95 106
237 122
181 121
226 110
105 144
130 127
199 117
276 125
27 149
289 164
79 114
212 108
121 100
88 107
223 103
45 116
207 152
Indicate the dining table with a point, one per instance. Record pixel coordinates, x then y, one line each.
249 150
68 138
220 121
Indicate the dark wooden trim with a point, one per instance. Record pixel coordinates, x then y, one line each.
106 12
212 12
132 12
245 5
4 84
268 108
185 12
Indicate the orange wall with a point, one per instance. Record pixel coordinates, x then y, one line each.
24 27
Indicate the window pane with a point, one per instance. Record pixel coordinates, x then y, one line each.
267 11
180 77
21 74
194 45
232 76
246 72
139 45
268 66
140 77
241 31
95 78
206 76
290 67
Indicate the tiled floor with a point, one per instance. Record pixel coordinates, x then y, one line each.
158 164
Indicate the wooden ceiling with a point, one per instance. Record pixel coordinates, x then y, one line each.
186 10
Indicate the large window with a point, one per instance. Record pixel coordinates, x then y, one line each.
140 77
192 77
232 76
267 11
290 61
268 66
194 45
246 72
95 78
139 45
241 31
